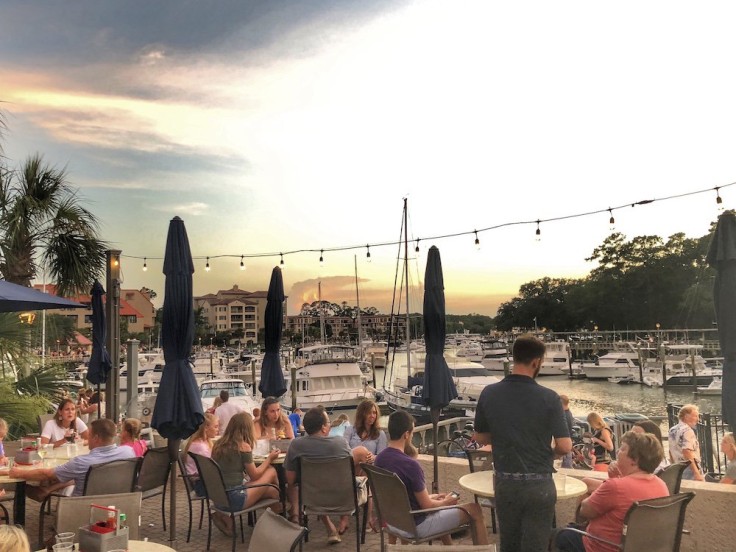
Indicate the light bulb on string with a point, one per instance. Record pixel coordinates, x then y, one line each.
321 257
207 266
242 263
368 252
145 264
538 232
416 249
283 266
477 241
719 199
611 221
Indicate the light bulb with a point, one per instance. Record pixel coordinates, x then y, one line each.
207 266
242 263
145 264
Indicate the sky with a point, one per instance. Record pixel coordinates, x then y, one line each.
283 125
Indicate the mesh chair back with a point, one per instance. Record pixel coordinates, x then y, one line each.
672 476
73 511
275 534
42 419
479 460
666 514
211 476
118 476
155 469
185 476
391 498
327 486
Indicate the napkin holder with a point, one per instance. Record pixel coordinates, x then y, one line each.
98 537
28 457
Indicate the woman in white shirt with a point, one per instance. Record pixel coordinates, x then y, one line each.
64 426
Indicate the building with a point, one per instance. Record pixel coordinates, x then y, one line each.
235 309
135 307
374 325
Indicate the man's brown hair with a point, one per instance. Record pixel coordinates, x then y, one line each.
104 429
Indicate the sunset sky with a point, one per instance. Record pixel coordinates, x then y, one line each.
283 125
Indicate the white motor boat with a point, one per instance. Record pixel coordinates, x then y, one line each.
209 389
714 388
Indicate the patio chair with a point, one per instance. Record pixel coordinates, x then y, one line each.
114 477
191 495
216 492
73 511
394 511
672 476
154 476
41 419
275 534
327 487
666 514
481 460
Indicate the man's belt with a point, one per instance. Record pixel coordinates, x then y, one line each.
523 476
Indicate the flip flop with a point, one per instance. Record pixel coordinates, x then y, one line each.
334 539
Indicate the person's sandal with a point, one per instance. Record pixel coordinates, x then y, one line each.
334 538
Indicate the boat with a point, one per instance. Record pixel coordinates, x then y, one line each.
715 387
622 362
556 358
209 389
496 359
684 366
327 375
470 350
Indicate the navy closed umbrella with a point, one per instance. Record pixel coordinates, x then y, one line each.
722 256
99 362
15 298
272 377
178 411
438 389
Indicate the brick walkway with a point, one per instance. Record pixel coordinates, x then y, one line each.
152 529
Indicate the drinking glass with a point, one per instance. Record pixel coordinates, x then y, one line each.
63 547
65 537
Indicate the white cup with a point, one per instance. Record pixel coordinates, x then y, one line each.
560 481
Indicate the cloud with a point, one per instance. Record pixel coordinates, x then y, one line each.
194 208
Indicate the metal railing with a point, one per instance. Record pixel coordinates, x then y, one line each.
710 431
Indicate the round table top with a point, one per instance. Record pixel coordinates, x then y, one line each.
57 457
481 483
140 546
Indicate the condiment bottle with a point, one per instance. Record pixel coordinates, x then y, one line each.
111 518
123 521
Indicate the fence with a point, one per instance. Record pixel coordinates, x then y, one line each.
710 431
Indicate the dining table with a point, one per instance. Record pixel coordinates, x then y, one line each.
481 484
138 546
56 457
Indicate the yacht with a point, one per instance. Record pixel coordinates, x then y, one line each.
622 362
714 388
556 358
327 375
684 366
210 389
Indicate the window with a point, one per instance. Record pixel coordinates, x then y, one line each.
132 319
250 309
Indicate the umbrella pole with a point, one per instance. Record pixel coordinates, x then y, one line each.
435 414
99 404
173 445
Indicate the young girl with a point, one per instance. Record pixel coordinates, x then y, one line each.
13 539
130 436
64 426
273 423
3 434
234 454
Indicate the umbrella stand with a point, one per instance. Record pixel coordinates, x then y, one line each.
173 446
434 413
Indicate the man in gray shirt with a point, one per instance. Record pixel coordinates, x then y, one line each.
316 444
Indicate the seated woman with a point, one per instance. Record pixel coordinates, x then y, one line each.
273 423
199 443
728 446
234 454
130 436
638 457
602 441
64 426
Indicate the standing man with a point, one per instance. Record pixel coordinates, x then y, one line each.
226 410
683 442
394 459
525 424
317 444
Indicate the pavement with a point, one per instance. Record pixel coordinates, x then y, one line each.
152 528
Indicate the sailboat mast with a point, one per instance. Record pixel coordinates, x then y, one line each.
321 314
357 300
406 279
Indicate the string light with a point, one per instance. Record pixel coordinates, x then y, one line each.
207 266
611 221
719 201
242 263
145 264
321 257
368 252
477 241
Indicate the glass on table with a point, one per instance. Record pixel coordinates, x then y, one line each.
65 537
63 547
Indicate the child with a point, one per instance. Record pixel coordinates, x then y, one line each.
338 426
3 433
130 436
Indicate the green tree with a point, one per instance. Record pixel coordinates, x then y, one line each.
42 223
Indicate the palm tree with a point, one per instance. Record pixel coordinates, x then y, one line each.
42 222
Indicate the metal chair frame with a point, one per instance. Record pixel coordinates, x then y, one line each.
153 476
192 496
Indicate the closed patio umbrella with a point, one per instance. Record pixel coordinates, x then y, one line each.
722 256
178 411
438 389
15 298
272 377
99 362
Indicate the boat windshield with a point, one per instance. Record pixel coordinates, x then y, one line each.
212 389
471 372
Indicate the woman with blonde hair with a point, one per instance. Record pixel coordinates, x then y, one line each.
234 454
199 443
602 440
13 539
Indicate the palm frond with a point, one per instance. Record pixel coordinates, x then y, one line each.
44 381
20 411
